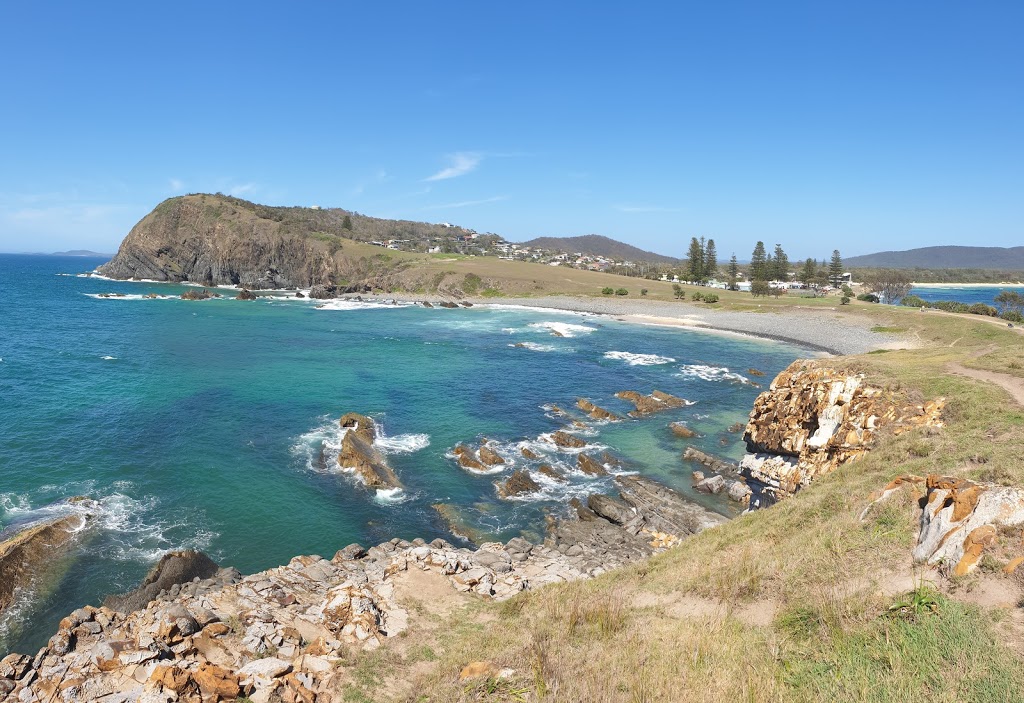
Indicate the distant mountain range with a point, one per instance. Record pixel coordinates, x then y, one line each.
952 257
597 245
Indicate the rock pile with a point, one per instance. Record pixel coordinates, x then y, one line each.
813 419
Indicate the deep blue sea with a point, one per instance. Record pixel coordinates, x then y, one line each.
211 424
963 294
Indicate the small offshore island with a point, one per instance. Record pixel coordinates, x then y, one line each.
851 498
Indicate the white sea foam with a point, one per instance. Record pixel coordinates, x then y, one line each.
109 358
564 329
710 373
319 447
342 304
534 308
402 443
639 359
129 296
533 346
390 496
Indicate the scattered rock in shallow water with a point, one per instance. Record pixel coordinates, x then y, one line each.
467 304
736 427
245 294
697 476
457 523
448 305
518 483
358 453
712 484
655 402
528 453
738 491
590 466
299 294
551 472
712 462
322 292
489 456
596 412
755 372
197 295
427 304
566 440
679 429
467 458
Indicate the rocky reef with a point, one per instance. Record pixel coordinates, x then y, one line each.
813 419
359 455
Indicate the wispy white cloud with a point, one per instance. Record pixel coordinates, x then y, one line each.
461 163
467 203
242 189
646 208
176 185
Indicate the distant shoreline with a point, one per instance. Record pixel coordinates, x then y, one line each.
1003 284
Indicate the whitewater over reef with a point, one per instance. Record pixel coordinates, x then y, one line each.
213 424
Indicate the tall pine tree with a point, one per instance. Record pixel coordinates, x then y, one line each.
835 269
807 272
757 263
734 272
710 260
695 265
781 272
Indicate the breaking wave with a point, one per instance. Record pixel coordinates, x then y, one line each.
710 373
318 449
639 359
564 329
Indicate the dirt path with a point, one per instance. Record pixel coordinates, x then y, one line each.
1011 384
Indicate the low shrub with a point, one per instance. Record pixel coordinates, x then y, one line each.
643 291
607 291
868 298
697 296
710 297
622 291
845 300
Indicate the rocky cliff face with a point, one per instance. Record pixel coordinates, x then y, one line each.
813 419
215 240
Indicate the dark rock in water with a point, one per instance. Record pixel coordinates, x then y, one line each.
518 483
458 524
448 305
358 453
712 462
590 466
299 294
551 472
322 292
755 372
564 439
736 427
489 456
196 295
655 402
467 458
529 453
27 553
597 413
467 304
680 429
245 294
173 569
427 304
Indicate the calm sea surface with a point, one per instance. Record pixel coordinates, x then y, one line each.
963 294
211 424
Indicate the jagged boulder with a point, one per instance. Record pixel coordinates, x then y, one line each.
245 294
322 292
529 453
960 519
595 412
197 295
551 472
518 483
655 402
814 418
566 440
610 509
467 458
490 457
712 484
590 466
359 455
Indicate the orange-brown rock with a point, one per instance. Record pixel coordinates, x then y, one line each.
489 456
564 439
518 483
590 466
813 419
596 412
479 670
1013 565
467 458
551 472
755 372
974 546
679 429
215 680
358 453
655 402
170 677
528 454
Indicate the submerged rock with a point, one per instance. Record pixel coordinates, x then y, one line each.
27 553
679 429
655 402
457 523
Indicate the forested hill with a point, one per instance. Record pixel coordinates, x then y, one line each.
1003 258
596 245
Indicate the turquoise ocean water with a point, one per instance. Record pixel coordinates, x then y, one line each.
963 294
210 424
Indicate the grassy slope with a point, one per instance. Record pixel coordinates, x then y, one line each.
790 603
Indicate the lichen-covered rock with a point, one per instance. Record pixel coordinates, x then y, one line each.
814 418
960 520
655 402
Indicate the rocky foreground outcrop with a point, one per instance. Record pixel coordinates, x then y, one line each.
27 553
281 634
813 419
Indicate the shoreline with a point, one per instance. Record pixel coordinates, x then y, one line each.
1001 284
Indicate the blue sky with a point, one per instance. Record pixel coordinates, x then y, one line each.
867 126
